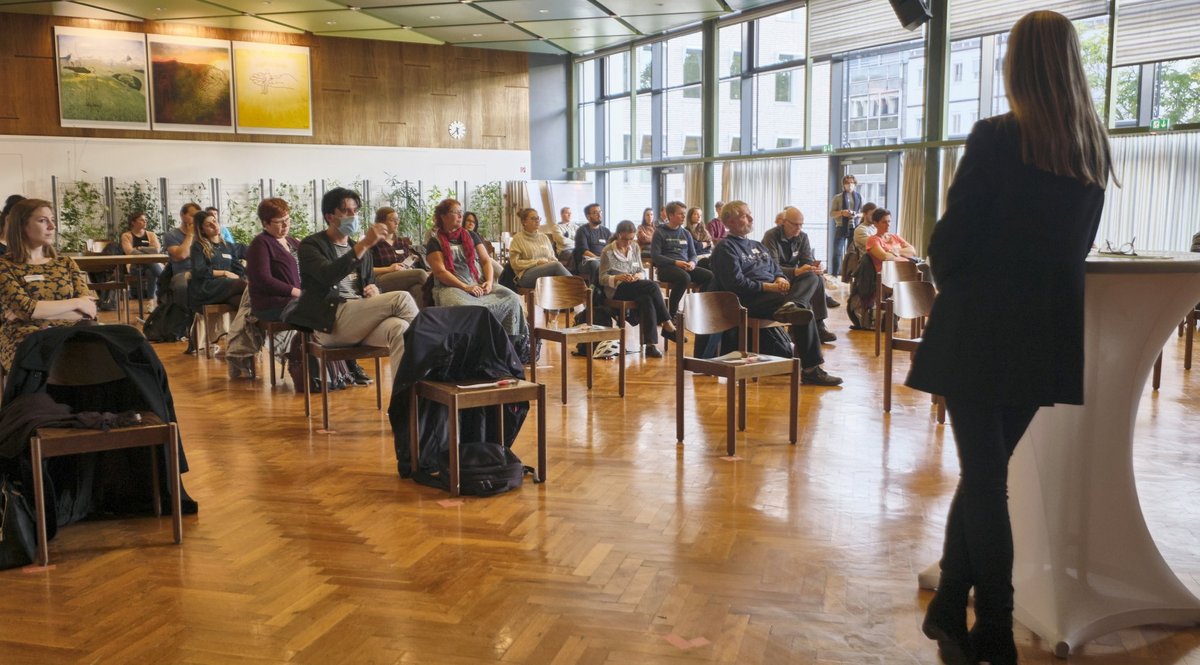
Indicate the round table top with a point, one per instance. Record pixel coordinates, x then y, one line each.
1149 262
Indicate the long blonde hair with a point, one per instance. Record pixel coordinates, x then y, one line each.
1048 91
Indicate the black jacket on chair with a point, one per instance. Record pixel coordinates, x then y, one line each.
1008 260
464 343
320 271
110 481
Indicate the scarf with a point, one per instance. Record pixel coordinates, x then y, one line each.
463 236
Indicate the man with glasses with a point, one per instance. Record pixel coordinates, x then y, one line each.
590 240
791 249
339 299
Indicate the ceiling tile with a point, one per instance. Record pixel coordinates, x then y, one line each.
392 35
738 5
541 10
365 4
644 7
66 9
528 45
261 6
588 27
431 15
329 21
660 22
585 44
237 23
492 32
161 10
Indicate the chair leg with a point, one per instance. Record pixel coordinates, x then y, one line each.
794 404
155 494
730 417
1189 326
878 326
379 384
323 368
541 432
414 447
533 362
887 375
941 409
175 485
452 441
589 366
271 358
742 405
39 501
621 364
563 370
679 403
304 374
1157 381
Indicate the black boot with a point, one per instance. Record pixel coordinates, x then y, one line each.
946 622
992 634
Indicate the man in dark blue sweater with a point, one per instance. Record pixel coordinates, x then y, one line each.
590 240
745 267
673 252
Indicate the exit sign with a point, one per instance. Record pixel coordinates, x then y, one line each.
1160 125
827 148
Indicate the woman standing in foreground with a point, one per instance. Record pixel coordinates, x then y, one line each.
1006 333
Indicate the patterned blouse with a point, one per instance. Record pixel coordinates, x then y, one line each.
22 286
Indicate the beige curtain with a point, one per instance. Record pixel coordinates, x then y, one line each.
516 198
912 198
1160 185
694 185
950 157
761 183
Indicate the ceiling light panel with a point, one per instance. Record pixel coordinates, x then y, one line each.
370 4
430 15
161 10
393 35
492 32
330 21
541 10
590 27
276 6
239 22
661 22
65 9
646 7
528 46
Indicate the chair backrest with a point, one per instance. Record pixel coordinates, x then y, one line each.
894 272
712 312
561 292
912 300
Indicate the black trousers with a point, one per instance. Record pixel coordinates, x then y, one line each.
652 311
680 279
978 550
806 339
808 290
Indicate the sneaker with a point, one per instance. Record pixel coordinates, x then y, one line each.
816 376
826 335
653 352
794 314
358 376
831 303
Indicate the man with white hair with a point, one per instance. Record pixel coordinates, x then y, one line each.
791 249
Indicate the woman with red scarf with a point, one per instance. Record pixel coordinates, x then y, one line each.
463 275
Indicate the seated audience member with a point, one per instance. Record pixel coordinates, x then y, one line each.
226 234
885 246
218 276
623 278
590 240
397 266
563 235
790 248
1196 242
857 248
865 228
38 288
178 243
463 273
699 230
645 232
716 228
674 255
745 267
137 239
531 253
339 298
11 201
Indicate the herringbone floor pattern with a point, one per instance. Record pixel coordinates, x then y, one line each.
310 549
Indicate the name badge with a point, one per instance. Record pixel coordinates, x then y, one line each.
227 256
35 278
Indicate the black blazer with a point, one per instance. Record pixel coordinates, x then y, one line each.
1009 260
320 271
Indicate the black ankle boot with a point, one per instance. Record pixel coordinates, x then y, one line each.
993 642
946 622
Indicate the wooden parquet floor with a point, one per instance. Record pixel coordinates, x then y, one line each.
309 548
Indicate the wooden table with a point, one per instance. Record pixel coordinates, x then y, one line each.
99 262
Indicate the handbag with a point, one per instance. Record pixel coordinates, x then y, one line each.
18 539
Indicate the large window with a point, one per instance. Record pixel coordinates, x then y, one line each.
629 191
1177 91
683 113
884 98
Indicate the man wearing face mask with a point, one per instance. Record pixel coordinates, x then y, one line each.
842 211
339 299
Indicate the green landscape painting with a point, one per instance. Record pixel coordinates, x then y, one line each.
102 78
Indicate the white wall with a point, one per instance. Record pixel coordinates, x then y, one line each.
30 161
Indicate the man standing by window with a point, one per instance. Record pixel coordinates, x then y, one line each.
842 211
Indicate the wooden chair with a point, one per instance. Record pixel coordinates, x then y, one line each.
200 326
270 330
712 313
566 293
892 273
1189 326
90 364
456 399
910 300
325 354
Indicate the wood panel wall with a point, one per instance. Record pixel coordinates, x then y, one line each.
370 93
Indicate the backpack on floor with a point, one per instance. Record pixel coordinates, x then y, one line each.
167 323
484 469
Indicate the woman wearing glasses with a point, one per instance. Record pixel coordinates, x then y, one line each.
531 254
1027 196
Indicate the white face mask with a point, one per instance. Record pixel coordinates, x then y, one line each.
849 187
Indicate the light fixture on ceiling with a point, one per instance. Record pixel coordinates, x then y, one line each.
330 22
434 18
476 34
354 9
543 11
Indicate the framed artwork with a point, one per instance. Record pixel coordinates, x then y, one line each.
274 89
191 84
102 78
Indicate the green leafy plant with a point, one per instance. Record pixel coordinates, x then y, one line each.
81 216
415 215
487 201
196 192
240 215
299 198
140 196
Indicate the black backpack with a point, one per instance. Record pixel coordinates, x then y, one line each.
484 469
167 323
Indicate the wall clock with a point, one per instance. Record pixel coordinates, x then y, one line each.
458 130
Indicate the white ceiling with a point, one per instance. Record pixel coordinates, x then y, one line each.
538 26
